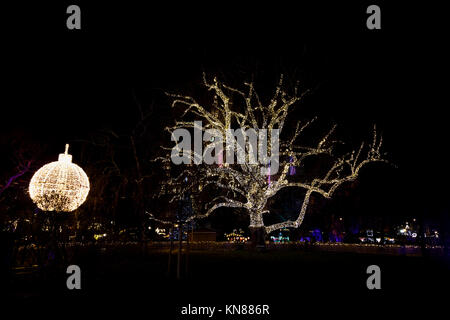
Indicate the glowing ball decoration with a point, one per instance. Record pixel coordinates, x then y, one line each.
59 185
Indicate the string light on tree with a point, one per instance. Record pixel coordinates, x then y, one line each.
245 186
60 185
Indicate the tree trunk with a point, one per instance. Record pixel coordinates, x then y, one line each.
421 236
258 237
180 248
187 253
257 230
169 263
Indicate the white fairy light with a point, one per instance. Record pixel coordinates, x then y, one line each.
244 185
59 185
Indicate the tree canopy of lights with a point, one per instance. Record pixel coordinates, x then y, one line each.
59 186
246 186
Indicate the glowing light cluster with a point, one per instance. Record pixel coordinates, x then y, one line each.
59 185
243 185
236 236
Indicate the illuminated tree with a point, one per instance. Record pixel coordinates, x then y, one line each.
18 162
246 186
22 157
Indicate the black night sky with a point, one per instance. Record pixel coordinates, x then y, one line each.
61 86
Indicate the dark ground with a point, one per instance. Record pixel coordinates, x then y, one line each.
125 281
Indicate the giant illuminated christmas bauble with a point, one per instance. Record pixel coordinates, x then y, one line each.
59 185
